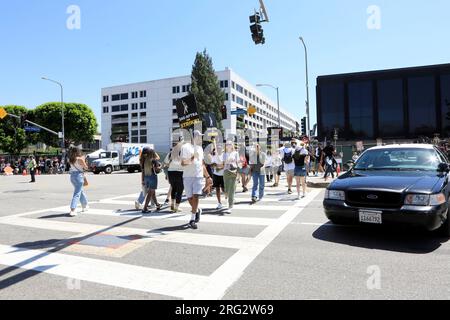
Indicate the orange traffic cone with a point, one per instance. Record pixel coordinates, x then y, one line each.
24 172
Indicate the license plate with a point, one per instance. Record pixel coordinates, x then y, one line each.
374 217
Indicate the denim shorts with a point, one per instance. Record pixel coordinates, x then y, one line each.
300 172
151 182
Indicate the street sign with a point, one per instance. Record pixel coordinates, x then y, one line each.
32 129
3 113
238 112
187 111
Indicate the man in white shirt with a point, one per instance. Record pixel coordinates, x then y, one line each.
287 154
194 170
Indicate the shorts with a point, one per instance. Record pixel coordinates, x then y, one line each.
300 171
275 170
290 173
218 182
245 171
193 186
151 182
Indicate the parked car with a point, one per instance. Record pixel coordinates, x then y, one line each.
396 184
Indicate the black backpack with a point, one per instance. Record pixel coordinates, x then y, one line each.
287 157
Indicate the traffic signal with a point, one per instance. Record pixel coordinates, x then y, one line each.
256 29
224 112
304 126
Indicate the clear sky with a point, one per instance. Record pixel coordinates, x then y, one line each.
139 40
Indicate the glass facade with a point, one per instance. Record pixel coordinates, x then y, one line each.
360 104
422 106
332 108
390 108
445 104
407 103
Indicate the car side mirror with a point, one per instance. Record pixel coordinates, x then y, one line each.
443 167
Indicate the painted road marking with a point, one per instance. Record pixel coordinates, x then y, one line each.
165 236
150 280
169 283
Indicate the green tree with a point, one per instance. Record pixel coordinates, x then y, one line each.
79 121
13 139
205 86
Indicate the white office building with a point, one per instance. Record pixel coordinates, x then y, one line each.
145 112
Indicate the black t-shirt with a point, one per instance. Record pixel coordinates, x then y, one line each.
329 151
299 159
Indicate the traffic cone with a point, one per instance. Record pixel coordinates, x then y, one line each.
24 172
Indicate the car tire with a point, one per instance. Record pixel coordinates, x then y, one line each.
108 170
131 171
445 229
96 172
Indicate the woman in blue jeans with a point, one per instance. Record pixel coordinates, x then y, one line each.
77 168
258 172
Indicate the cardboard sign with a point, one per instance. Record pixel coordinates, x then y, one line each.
209 120
187 111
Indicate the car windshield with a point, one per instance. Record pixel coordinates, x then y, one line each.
401 159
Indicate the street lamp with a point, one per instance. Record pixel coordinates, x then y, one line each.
63 145
307 89
278 99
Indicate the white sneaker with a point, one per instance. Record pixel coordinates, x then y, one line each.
228 211
73 213
137 205
219 206
85 209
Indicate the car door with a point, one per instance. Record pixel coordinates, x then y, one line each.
445 159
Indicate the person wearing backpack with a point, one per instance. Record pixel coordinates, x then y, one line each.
301 160
287 154
150 169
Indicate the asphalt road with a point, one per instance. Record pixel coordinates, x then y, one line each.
277 249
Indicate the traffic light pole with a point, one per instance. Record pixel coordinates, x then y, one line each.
34 124
308 132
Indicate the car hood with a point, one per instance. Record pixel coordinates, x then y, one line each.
397 181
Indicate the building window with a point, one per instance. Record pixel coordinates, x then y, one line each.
422 106
333 115
226 97
233 85
115 97
105 109
361 109
445 103
176 89
143 105
143 132
134 106
134 140
143 94
115 108
143 139
105 98
390 108
124 96
233 98
239 88
143 114
186 88
143 124
134 95
135 132
240 101
124 107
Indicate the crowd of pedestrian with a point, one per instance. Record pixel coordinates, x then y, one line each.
39 165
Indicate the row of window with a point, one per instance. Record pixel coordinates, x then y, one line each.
124 107
125 96
386 108
185 88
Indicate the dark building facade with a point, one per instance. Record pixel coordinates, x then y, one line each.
388 104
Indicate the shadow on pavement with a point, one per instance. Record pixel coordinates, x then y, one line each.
405 240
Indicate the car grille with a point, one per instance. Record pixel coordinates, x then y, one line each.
374 199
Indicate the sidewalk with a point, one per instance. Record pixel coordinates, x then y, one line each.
319 182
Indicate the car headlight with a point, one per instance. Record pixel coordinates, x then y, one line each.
417 199
437 199
335 195
425 200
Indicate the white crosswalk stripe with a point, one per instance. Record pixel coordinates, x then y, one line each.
269 216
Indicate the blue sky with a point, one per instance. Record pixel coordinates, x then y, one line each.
138 40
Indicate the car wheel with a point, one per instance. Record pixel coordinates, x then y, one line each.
108 170
131 171
445 229
96 172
